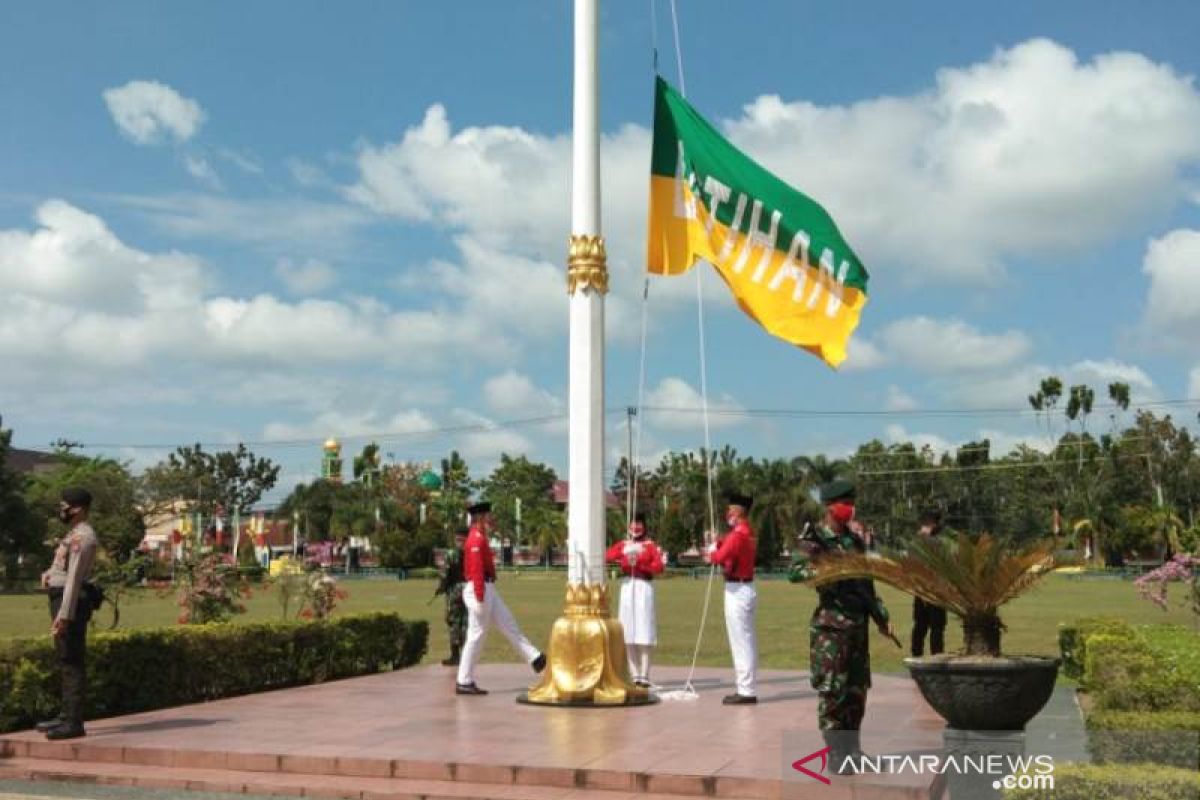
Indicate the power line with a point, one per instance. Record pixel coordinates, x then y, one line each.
483 427
1000 465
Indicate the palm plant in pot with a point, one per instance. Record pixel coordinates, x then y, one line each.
971 577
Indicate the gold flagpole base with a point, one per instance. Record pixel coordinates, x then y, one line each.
586 661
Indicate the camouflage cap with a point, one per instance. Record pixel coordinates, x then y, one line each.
835 490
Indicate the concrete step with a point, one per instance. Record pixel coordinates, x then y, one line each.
309 785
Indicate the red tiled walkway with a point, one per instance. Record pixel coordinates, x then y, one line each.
405 734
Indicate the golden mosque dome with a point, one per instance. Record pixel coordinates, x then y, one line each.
332 444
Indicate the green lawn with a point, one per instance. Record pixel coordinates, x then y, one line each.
783 614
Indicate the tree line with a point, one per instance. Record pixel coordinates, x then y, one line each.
1126 488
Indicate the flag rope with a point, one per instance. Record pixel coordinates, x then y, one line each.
689 690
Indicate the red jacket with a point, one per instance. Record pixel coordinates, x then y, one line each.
735 553
648 563
478 564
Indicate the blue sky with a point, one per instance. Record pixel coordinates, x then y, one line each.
278 222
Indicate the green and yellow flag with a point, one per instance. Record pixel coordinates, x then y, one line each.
780 253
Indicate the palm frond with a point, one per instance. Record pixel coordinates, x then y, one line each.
971 577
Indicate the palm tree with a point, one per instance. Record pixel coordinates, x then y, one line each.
819 470
970 577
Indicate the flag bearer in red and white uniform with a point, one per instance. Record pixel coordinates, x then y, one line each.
640 559
734 553
484 604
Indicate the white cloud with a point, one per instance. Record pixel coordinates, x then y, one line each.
307 174
1011 388
861 355
245 163
1173 300
149 111
309 277
269 223
513 394
482 447
1001 443
941 346
1029 152
73 258
72 289
1102 373
896 434
343 425
1194 384
675 405
899 400
507 191
1004 442
516 294
200 169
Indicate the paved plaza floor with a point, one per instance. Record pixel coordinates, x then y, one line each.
405 734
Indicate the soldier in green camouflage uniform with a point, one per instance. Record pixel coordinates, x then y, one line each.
840 659
451 585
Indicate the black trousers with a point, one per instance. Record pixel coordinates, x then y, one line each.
71 649
929 619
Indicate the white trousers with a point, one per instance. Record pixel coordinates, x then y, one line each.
479 616
639 661
740 602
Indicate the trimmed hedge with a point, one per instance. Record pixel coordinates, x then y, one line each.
1162 737
1115 782
1114 659
141 670
1072 640
1138 671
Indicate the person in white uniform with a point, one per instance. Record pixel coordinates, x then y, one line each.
735 554
485 606
640 559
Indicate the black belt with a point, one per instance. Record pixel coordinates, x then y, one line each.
739 580
489 580
646 576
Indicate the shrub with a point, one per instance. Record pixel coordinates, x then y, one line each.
1164 737
1111 659
210 589
1151 692
1072 640
1115 782
1155 669
1177 648
155 668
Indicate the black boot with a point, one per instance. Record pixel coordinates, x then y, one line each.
68 730
452 661
73 681
844 752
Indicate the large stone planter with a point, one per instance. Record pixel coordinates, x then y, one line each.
982 693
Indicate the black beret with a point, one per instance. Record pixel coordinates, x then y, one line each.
839 489
479 508
738 499
77 497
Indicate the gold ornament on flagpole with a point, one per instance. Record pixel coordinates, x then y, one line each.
587 264
587 665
